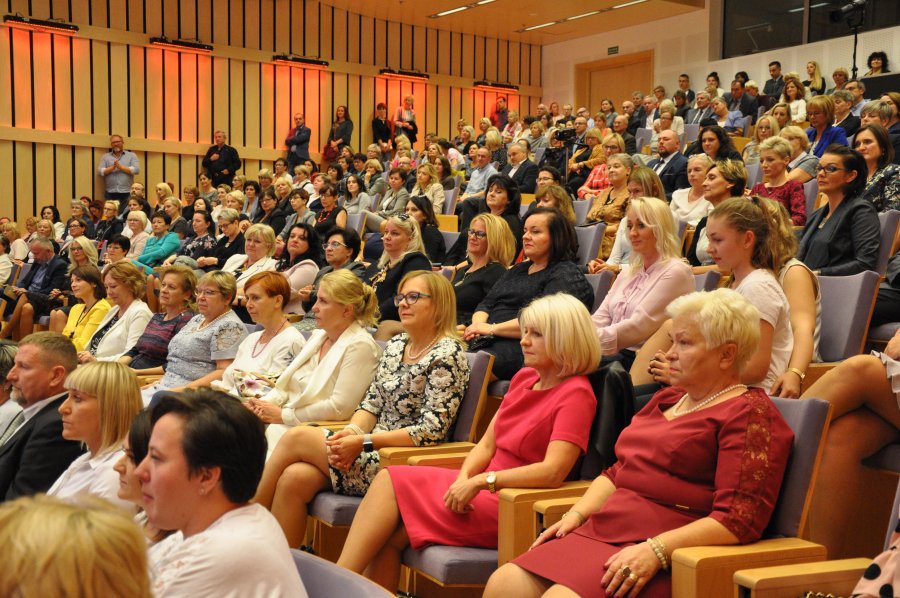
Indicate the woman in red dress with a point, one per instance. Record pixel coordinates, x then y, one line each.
700 465
533 441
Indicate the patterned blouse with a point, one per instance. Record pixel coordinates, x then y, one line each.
198 247
421 398
193 352
883 189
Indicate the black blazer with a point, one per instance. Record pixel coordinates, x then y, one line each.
36 455
387 288
54 279
847 243
674 175
525 177
228 160
747 104
630 143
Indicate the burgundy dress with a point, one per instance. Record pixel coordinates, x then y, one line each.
790 195
527 421
725 462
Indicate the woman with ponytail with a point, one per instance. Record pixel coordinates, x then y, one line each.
329 376
741 242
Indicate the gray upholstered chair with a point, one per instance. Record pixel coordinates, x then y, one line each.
600 283
323 579
589 239
888 222
708 281
581 207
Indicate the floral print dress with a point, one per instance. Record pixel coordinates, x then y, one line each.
421 397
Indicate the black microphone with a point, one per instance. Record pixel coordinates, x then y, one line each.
839 14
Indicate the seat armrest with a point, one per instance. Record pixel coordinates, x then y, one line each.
832 577
551 510
399 455
333 425
709 570
446 460
518 525
815 371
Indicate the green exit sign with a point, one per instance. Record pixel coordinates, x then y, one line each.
612 50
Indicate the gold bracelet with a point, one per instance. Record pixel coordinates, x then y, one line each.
798 372
581 518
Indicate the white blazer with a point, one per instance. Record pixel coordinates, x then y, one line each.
334 389
125 333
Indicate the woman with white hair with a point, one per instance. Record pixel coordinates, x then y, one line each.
534 440
699 443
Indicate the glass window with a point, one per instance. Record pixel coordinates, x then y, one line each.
879 14
752 26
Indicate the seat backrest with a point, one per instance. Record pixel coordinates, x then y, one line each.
356 221
523 209
811 191
538 154
449 201
581 207
691 132
473 403
589 238
681 225
323 578
708 281
449 238
13 274
754 175
601 283
808 420
642 137
888 222
847 303
23 272
895 520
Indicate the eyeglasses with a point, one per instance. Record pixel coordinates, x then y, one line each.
830 169
206 292
74 225
410 298
478 234
611 148
333 245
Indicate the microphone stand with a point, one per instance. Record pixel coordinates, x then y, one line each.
855 26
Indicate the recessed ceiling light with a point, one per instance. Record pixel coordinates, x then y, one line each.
587 14
533 27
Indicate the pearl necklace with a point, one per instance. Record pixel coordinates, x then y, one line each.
203 324
702 403
253 352
416 357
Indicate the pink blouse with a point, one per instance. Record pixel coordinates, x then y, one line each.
635 306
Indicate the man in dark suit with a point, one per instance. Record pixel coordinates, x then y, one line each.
33 453
297 141
48 273
634 120
620 126
671 165
737 100
775 85
702 111
520 169
221 161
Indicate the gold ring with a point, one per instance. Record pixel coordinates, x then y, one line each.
625 571
633 577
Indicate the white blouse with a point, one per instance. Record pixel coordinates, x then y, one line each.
269 360
242 554
92 475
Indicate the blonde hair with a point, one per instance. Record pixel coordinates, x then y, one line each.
501 244
140 216
264 173
594 134
443 298
345 288
186 276
779 145
264 233
794 132
787 108
734 172
563 200
173 202
743 215
430 170
722 316
401 142
648 180
816 80
224 281
492 139
571 341
782 240
53 547
411 227
238 195
823 103
773 124
373 163
89 251
656 215
707 161
165 188
11 227
118 396
620 141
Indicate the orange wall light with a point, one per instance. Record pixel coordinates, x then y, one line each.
57 27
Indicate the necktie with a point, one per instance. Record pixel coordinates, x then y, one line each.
12 427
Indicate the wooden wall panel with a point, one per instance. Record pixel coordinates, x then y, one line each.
69 94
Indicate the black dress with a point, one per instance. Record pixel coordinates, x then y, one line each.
516 289
325 221
386 281
224 250
472 288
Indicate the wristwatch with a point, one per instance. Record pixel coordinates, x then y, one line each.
491 480
368 445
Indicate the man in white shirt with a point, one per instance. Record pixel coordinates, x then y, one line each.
33 453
